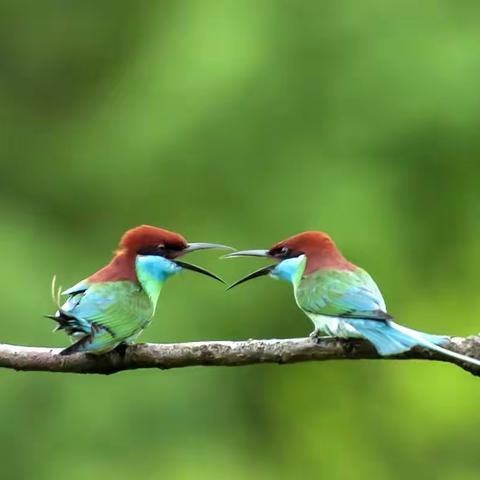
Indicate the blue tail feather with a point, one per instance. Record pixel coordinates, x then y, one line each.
390 341
390 338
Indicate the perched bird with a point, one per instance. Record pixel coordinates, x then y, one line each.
114 305
340 298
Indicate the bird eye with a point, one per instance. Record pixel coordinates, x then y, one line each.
284 251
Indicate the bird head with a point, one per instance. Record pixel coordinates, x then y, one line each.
302 253
147 240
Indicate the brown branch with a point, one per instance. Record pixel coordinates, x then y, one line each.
219 353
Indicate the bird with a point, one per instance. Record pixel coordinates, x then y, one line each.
114 305
340 298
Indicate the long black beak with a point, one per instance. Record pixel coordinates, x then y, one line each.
257 273
192 247
195 268
247 253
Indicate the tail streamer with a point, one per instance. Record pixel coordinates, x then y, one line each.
425 343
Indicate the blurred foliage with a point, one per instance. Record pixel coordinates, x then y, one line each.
242 123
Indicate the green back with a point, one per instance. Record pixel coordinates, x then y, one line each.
342 293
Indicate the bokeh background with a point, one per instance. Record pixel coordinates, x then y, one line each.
242 123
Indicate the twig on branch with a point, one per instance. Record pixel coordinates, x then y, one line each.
219 353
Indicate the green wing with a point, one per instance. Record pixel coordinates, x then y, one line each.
108 313
341 293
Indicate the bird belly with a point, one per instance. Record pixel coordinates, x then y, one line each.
334 326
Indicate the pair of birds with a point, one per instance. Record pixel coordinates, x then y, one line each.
114 305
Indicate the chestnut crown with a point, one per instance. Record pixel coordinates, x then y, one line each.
146 238
307 243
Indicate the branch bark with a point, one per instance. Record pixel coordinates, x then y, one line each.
220 353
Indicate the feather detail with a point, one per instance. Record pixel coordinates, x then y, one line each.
79 287
104 315
122 267
427 341
341 293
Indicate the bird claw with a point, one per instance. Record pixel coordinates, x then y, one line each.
315 336
121 349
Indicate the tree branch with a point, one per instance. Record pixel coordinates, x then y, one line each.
220 353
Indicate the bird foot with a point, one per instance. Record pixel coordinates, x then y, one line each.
121 349
315 336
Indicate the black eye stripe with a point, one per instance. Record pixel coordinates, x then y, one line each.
175 247
150 250
281 252
159 249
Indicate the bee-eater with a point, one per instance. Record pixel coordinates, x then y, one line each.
115 304
340 298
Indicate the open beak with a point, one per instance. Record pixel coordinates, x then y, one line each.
192 247
257 273
195 268
248 253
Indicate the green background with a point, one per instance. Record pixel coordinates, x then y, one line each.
242 123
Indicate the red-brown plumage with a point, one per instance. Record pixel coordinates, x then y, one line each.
148 236
320 250
122 266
